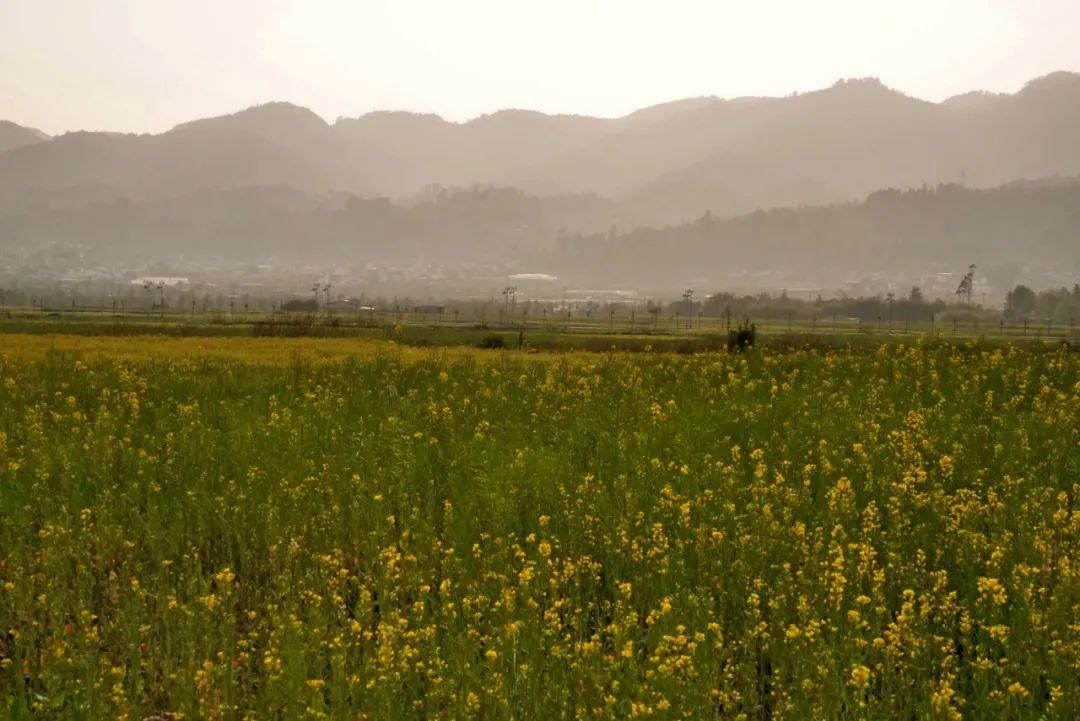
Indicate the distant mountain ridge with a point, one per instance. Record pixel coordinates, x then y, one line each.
1013 232
16 136
661 163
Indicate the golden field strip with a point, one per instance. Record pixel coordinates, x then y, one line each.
244 349
246 528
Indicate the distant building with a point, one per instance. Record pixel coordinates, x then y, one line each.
167 281
534 276
345 304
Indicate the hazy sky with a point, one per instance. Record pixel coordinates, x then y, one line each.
145 65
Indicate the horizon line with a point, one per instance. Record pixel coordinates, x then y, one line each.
549 114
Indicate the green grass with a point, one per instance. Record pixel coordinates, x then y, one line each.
369 530
553 336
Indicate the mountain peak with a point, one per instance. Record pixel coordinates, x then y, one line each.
867 86
1054 82
268 118
14 136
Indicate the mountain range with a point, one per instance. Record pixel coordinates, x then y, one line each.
853 181
659 165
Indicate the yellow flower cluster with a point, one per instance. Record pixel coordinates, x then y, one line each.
358 530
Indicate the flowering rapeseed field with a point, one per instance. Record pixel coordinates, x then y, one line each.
385 534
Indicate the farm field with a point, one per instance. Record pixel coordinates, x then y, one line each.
272 528
545 333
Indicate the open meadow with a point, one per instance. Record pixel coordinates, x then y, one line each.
264 528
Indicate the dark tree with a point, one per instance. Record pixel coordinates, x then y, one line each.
1020 301
967 285
300 305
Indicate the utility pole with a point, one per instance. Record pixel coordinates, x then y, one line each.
149 286
688 296
508 293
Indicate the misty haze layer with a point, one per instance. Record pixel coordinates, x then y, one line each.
276 181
